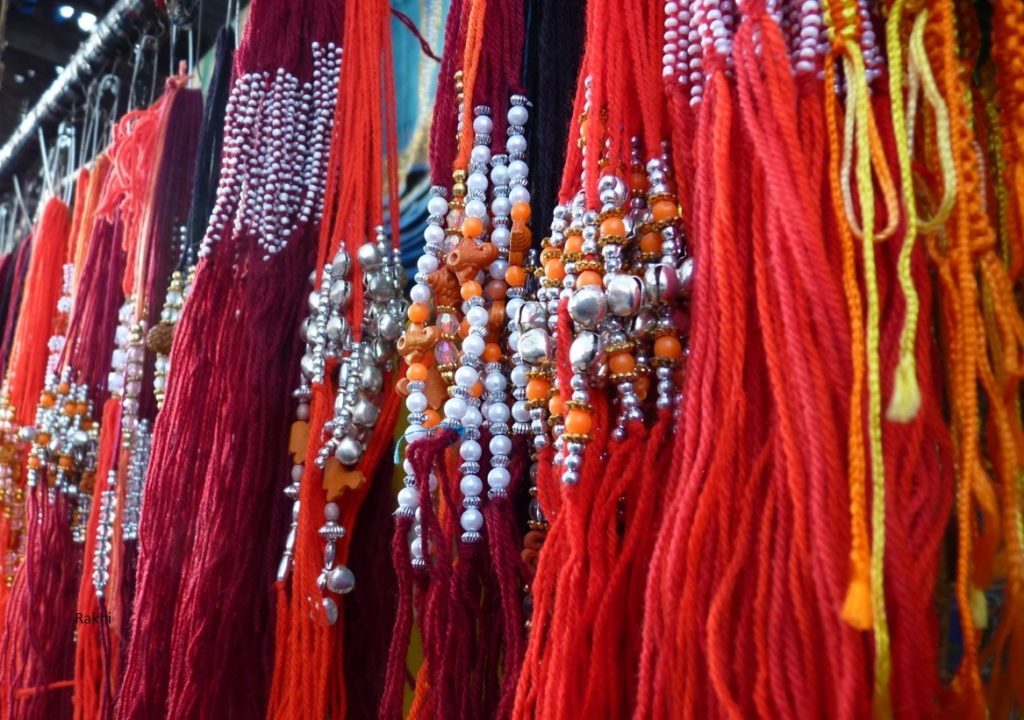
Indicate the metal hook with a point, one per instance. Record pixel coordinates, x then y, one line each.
47 169
108 84
64 160
146 43
21 200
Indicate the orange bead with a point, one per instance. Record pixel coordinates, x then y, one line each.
477 390
472 227
668 346
555 405
621 362
418 313
65 462
638 181
471 289
431 419
47 400
574 243
515 276
578 422
427 358
492 352
63 388
416 372
588 277
664 209
650 243
34 462
554 269
537 389
613 227
521 211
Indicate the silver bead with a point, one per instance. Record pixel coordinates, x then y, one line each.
588 306
370 379
585 351
341 291
684 273
378 287
661 283
625 294
328 612
342 263
389 328
341 580
369 256
530 315
365 413
349 451
535 346
336 328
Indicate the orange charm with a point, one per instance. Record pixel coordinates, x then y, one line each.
664 209
613 227
537 389
521 212
554 269
515 276
416 372
621 362
298 441
588 277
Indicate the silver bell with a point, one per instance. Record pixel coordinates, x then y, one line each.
342 264
588 306
336 327
378 287
661 283
530 315
341 580
349 451
369 256
371 379
535 347
365 413
685 272
341 291
308 366
625 294
585 352
389 328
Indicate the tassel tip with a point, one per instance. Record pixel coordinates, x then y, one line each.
857 606
906 393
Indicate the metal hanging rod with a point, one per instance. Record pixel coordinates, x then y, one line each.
111 36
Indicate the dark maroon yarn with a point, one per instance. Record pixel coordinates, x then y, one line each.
94 317
13 304
370 613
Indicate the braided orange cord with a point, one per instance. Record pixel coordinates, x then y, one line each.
972 250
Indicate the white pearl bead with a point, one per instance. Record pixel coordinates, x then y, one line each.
472 418
520 412
513 307
502 237
420 293
499 175
437 205
433 233
455 408
416 402
480 155
297 473
501 207
470 450
477 316
498 477
416 548
427 263
472 520
471 485
518 169
477 182
516 144
495 382
497 269
498 412
518 115
500 445
408 497
518 376
466 376
473 345
482 125
476 208
519 194
407 466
